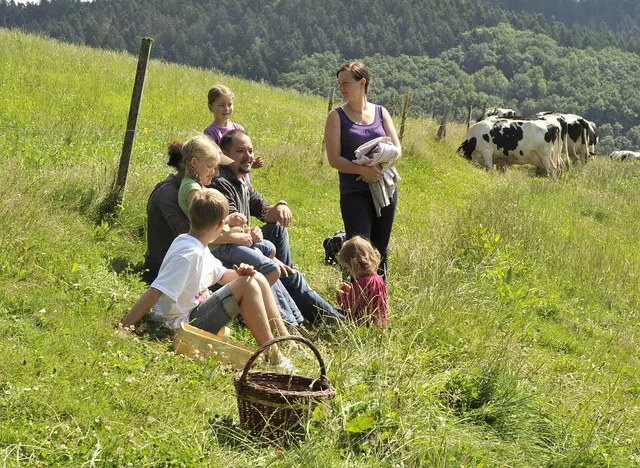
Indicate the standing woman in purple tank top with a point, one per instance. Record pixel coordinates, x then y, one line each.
356 122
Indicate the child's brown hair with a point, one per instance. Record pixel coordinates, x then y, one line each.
359 256
207 209
217 91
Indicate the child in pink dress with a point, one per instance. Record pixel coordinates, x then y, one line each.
365 299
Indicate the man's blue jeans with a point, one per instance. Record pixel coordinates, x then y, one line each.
311 305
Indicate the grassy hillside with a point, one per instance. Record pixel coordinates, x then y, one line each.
514 301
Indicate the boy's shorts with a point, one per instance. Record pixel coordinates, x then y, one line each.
216 311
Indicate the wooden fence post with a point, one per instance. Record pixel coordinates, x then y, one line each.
115 198
329 109
442 131
469 117
405 107
484 110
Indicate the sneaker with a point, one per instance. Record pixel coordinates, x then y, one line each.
285 366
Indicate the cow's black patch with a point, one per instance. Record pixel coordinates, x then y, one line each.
563 126
468 147
575 131
485 137
585 127
552 133
506 138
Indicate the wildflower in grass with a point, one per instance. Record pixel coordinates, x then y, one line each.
145 131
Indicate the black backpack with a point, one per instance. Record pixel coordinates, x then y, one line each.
332 246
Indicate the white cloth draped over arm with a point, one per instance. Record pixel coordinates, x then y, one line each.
380 151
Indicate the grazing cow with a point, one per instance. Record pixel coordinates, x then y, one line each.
594 138
565 160
625 156
499 112
514 141
577 131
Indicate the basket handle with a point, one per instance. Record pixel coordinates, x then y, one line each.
249 364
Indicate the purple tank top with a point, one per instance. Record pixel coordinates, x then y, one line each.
353 135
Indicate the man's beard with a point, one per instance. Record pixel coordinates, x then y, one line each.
244 170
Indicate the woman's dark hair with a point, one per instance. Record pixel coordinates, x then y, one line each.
175 155
358 71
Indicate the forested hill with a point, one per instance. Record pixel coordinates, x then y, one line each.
618 16
261 39
460 52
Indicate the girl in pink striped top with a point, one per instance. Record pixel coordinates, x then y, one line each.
365 299
220 99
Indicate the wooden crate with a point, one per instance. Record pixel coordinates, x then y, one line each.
194 342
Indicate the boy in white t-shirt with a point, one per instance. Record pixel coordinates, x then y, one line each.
181 293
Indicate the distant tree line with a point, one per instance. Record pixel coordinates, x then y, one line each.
261 39
502 52
504 67
619 16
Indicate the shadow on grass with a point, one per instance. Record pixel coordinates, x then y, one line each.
122 265
147 328
232 435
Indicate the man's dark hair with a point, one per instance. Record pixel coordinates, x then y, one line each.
227 139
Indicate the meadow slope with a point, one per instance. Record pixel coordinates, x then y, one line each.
514 301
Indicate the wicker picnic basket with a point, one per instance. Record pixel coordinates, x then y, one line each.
275 405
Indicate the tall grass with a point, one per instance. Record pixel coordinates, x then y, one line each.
513 325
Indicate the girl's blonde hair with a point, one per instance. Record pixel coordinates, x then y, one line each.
217 91
359 256
199 146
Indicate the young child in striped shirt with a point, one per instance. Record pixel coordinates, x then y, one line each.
220 99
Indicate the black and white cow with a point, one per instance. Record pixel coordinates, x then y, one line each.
565 160
578 134
499 112
625 156
514 141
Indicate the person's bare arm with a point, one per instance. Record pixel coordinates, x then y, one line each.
232 237
336 160
228 277
390 129
141 307
279 212
242 270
